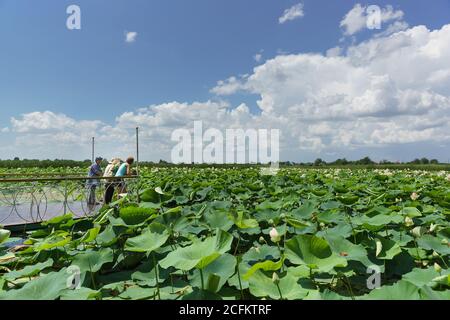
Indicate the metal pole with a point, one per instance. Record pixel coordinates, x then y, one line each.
137 150
93 149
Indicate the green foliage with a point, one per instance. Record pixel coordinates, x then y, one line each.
231 233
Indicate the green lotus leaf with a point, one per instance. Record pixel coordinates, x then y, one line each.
28 271
92 261
314 252
411 212
200 253
402 290
216 274
151 239
421 277
262 286
388 249
46 287
266 266
347 249
428 242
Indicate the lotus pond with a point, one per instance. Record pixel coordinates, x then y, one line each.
235 234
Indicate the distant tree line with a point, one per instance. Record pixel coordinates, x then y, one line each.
60 163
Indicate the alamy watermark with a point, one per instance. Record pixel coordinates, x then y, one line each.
373 17
250 146
73 22
374 280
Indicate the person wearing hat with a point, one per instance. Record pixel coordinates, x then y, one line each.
95 170
110 171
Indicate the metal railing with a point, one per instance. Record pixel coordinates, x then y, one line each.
33 200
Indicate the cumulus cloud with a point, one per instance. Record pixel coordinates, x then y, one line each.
385 92
130 36
363 97
257 57
292 13
361 17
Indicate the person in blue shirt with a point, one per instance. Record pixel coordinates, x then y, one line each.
125 170
95 170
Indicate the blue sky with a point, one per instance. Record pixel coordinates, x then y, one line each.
182 49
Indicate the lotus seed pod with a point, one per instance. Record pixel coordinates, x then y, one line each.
261 240
282 216
257 249
435 254
270 221
444 241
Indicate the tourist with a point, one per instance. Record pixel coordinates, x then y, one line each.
110 171
125 170
95 170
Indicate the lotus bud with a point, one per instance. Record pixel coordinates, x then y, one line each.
4 235
437 267
417 232
409 222
414 196
274 235
270 221
275 278
433 227
262 240
435 254
444 241
282 216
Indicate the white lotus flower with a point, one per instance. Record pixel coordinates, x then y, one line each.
409 222
275 278
437 267
159 190
414 196
274 235
379 247
433 227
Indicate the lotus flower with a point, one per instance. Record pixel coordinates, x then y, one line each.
414 196
4 235
275 278
274 235
409 222
437 267
433 227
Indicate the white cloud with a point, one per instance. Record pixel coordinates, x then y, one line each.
229 86
292 13
130 36
334 52
357 19
5 130
386 92
362 98
257 57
